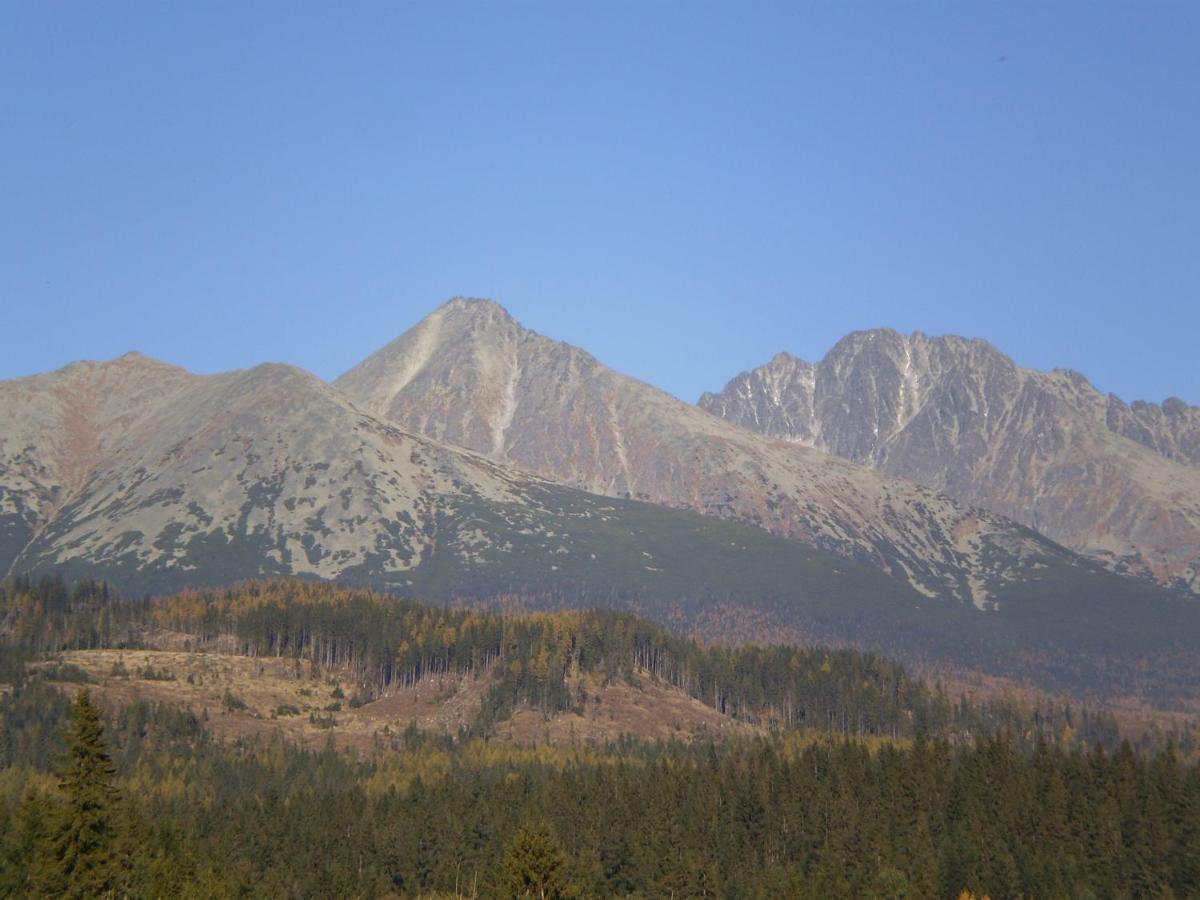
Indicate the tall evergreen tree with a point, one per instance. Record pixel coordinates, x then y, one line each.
84 862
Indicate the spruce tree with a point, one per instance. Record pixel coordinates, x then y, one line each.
84 861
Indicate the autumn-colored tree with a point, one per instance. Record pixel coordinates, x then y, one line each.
534 866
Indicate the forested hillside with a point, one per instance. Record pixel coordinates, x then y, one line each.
174 814
379 644
850 778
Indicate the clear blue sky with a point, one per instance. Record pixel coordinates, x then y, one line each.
682 188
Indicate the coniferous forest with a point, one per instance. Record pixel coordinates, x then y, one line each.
856 780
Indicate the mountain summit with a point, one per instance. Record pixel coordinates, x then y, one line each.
469 374
467 354
1116 482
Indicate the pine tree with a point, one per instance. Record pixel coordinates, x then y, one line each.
83 859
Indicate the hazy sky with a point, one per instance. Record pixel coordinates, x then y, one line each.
682 188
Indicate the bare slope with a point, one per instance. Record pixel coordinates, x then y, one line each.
57 429
261 471
1047 449
269 698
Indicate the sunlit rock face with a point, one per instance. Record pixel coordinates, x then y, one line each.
470 374
1113 481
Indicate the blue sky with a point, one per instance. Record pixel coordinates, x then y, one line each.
682 188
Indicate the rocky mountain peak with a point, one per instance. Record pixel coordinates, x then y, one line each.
957 415
131 364
783 358
464 374
466 321
482 308
470 375
281 374
138 357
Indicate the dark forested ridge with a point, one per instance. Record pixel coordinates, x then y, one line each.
862 782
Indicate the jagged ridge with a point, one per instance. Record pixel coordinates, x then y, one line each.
1047 449
471 375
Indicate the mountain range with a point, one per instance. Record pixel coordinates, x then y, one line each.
1118 483
472 376
474 460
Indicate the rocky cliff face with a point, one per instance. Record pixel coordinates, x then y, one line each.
471 375
1171 428
1112 481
